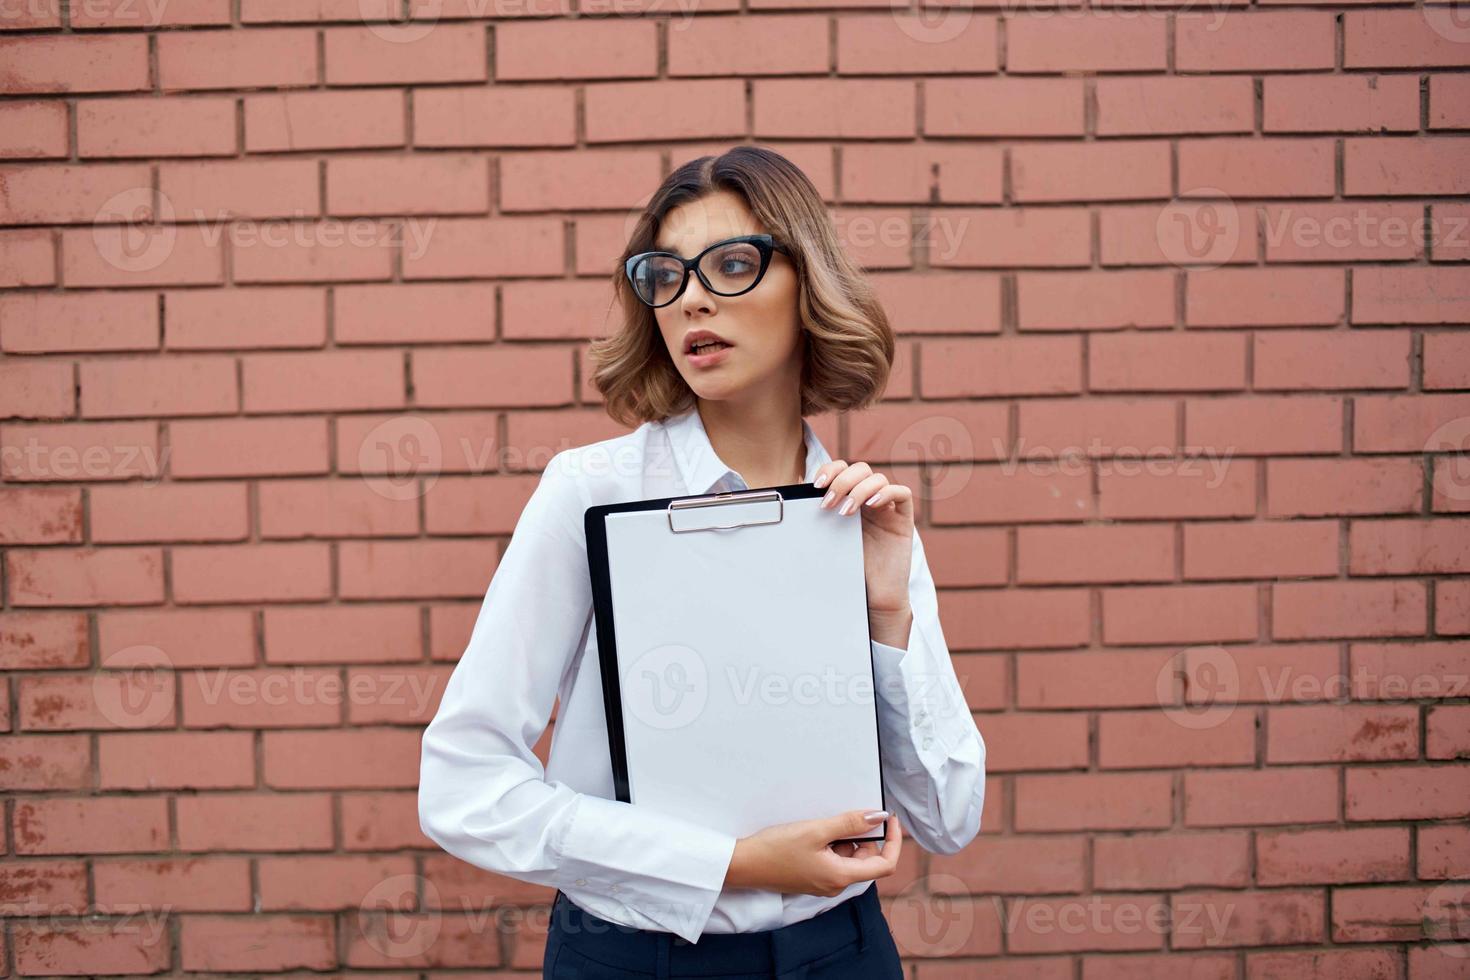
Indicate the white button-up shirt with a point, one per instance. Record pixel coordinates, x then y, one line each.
483 794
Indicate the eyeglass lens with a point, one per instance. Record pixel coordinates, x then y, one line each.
729 269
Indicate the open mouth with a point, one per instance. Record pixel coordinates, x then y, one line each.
708 346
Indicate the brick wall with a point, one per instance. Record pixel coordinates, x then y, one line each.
1183 379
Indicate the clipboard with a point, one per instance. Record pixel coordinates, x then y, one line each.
743 611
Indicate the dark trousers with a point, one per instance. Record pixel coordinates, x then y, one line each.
850 941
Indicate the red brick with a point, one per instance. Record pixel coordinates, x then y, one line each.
1296 297
833 108
1003 107
379 54
248 447
305 251
1325 964
255 821
415 569
480 248
1171 860
1093 801
929 432
1152 739
1405 165
45 762
1226 798
1398 671
176 638
1302 610
337 120
1319 359
990 619
1449 95
41 515
1447 732
1340 103
751 44
1407 792
1029 741
1330 232
617 112
1173 361
1260 549
342 759
254 189
1400 38
523 115
1142 106
901 43
1318 487
1095 553
566 49
232 319
1263 425
27 258
1397 914
1098 171
1024 864
90 825
1321 857
333 508
1095 679
1095 300
255 58
1444 851
220 884
188 385
1097 922
156 127
439 183
1097 41
59 948
1254 166
1341 733
1179 613
1008 366
37 390
1254 41
69 193
1275 918
176 760
132 513
1184 232
1446 360
176 255
251 572
75 64
265 943
85 576
1190 487
323 381
941 303
1414 295
1409 546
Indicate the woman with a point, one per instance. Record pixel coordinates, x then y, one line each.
742 316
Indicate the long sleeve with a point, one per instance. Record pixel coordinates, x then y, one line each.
933 753
483 795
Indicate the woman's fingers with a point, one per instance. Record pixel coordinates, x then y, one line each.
843 483
862 492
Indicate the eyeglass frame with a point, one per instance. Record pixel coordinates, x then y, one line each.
764 243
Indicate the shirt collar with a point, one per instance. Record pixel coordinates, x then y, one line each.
702 469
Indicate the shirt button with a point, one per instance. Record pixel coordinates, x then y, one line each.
581 881
928 741
616 888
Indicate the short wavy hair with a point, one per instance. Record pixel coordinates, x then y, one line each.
849 343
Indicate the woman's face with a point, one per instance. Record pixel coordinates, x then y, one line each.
761 326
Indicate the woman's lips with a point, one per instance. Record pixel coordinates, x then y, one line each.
711 358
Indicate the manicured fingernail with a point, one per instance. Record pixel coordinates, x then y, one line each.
820 481
831 496
848 506
875 498
876 815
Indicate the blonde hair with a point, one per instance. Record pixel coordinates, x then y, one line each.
849 344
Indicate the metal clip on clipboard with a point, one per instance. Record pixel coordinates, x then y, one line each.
758 502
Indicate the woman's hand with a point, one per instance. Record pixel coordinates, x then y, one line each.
888 541
800 858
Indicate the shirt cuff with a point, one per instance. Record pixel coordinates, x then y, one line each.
922 713
666 869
